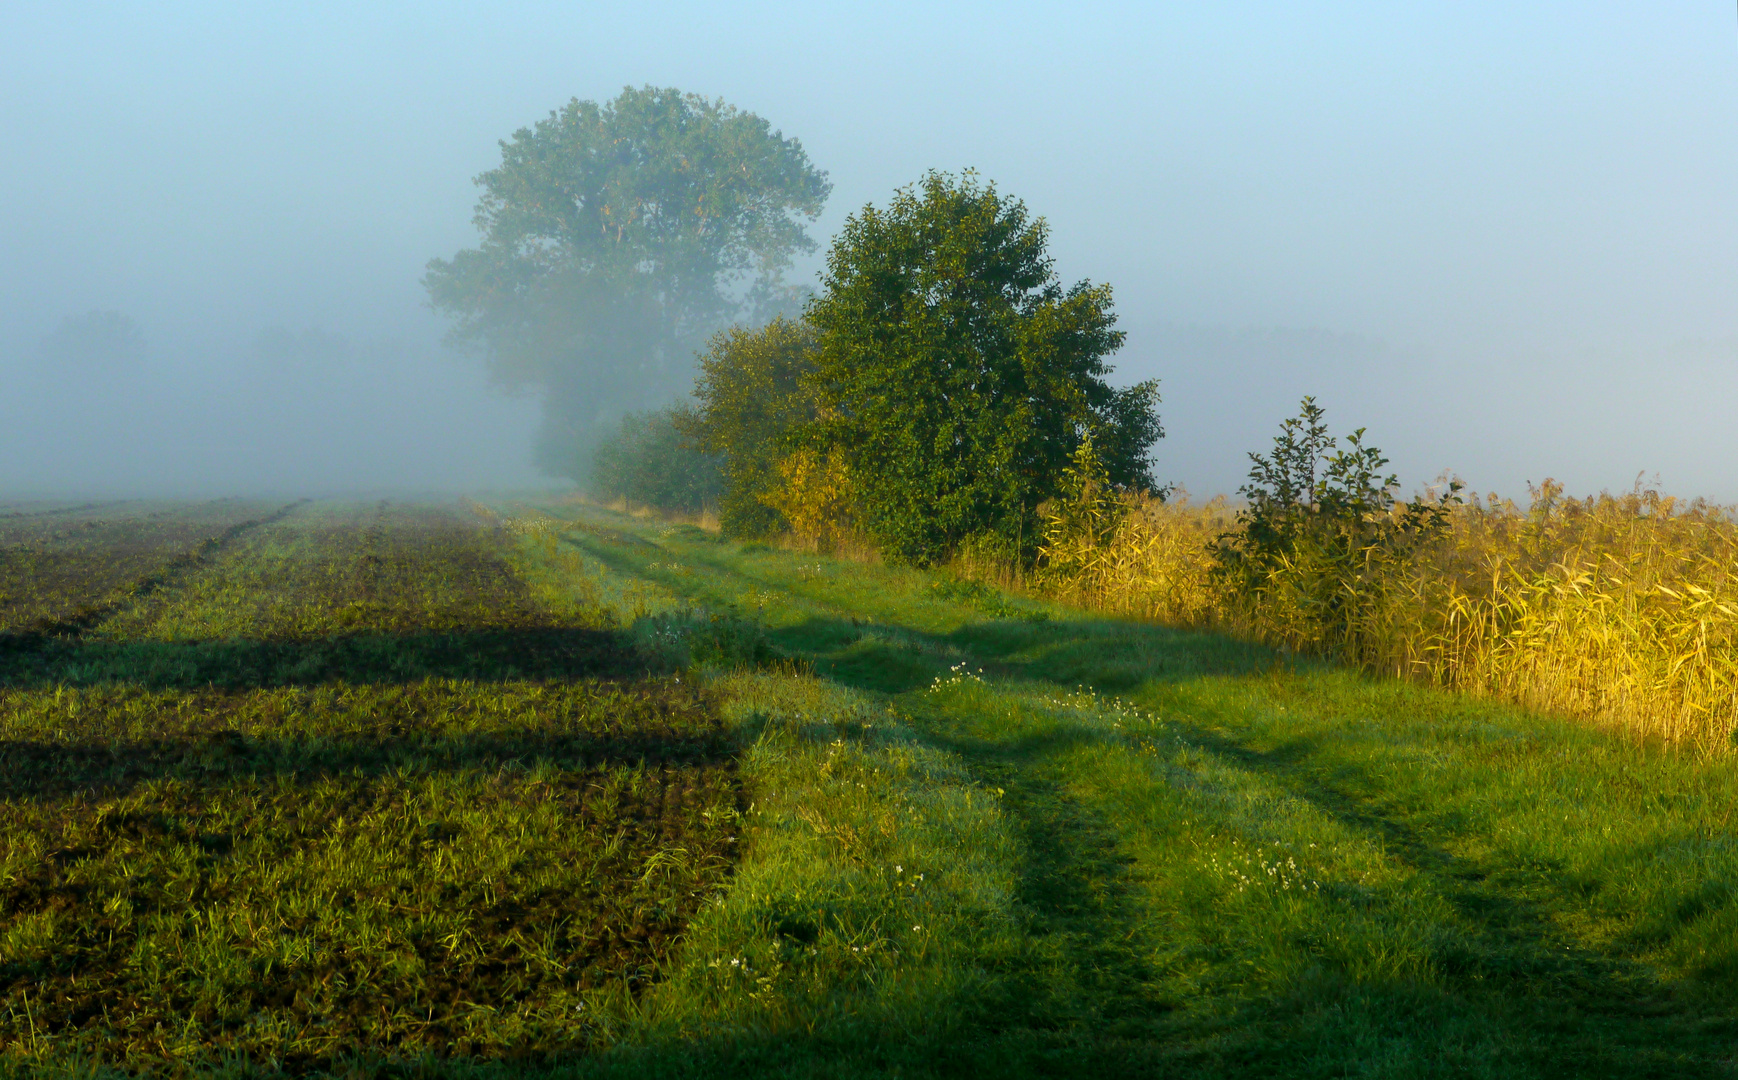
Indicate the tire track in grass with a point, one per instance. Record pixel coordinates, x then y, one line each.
1518 991
1513 939
1083 906
1563 1006
624 554
1089 988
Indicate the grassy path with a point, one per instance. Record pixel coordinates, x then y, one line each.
1224 864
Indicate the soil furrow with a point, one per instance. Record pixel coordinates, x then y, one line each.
89 618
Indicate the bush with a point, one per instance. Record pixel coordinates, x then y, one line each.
1321 530
753 391
649 461
1621 610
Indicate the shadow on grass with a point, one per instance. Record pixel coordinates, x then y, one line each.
1504 966
44 769
1107 654
481 655
1515 997
584 906
1516 940
1515 992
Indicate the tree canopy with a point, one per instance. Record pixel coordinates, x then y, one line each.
96 340
956 376
615 237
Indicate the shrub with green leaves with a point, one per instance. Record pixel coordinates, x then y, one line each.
649 461
956 376
1321 526
753 391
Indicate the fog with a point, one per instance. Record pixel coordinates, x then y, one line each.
1502 237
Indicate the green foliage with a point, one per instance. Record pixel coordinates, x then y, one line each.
1189 857
615 237
957 375
1321 526
650 461
753 391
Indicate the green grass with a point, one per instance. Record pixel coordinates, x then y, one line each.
715 809
1229 863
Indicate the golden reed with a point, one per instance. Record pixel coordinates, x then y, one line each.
1618 610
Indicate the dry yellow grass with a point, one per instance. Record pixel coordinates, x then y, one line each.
1156 563
1620 610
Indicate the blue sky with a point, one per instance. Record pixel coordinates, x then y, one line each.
1503 237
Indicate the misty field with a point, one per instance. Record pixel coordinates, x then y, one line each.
515 787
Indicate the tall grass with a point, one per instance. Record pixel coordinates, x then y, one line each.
1618 610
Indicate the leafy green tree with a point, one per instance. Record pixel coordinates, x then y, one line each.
650 462
957 376
753 392
615 238
1302 492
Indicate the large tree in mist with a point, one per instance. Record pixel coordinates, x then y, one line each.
95 341
615 238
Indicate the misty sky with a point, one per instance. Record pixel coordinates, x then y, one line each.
1502 236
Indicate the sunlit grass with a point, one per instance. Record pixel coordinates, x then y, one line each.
871 822
60 567
251 816
1227 862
